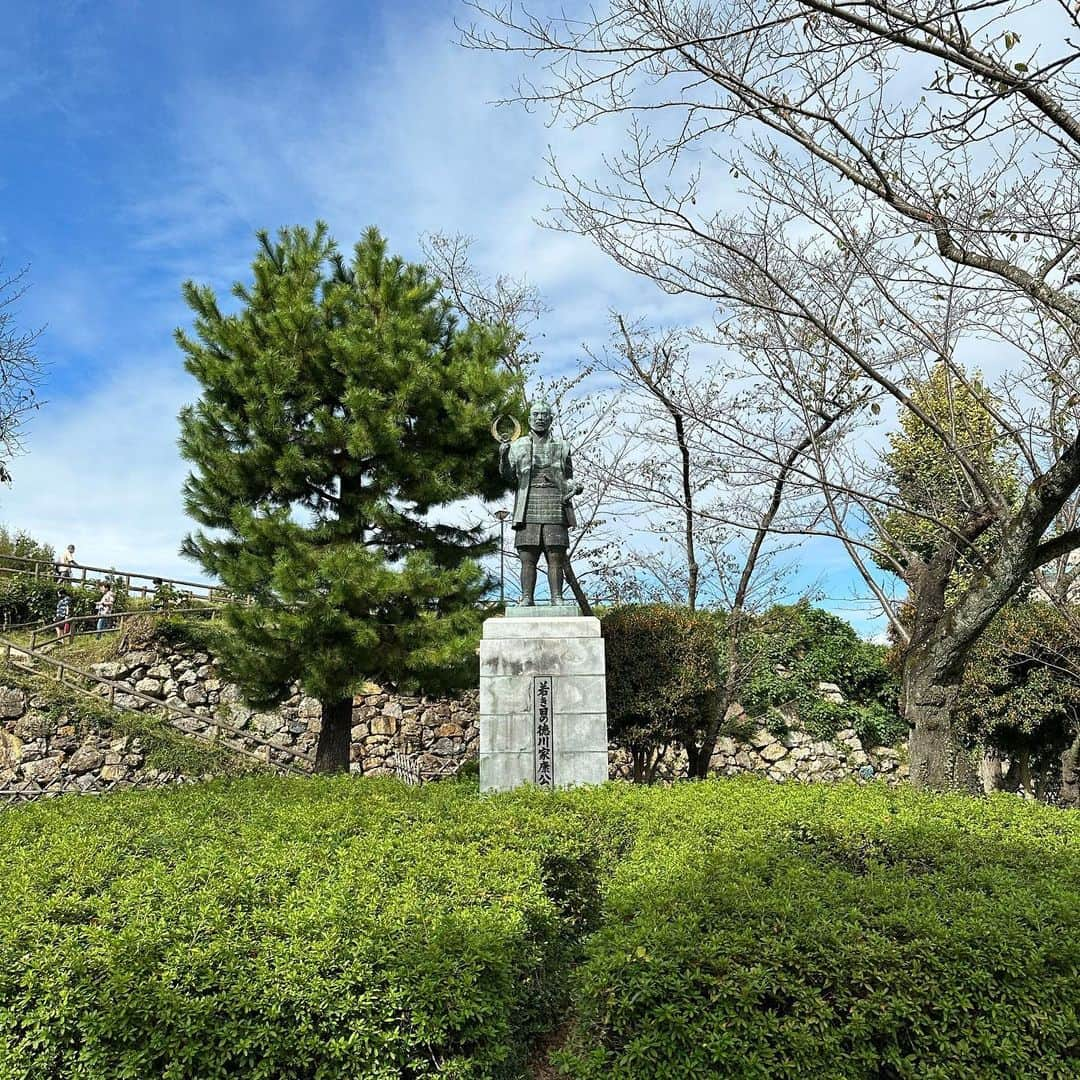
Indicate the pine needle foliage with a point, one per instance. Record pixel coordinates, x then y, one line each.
343 405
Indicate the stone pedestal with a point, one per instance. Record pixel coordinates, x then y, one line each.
543 701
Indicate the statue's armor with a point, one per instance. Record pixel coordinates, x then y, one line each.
544 502
541 469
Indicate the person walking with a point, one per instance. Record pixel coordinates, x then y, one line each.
104 606
63 615
65 563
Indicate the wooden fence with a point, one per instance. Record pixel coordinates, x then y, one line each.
114 623
136 584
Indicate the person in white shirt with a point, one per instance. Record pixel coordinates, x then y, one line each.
104 605
66 562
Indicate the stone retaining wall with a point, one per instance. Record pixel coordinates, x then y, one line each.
417 738
792 756
45 753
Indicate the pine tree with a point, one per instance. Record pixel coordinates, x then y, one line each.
342 405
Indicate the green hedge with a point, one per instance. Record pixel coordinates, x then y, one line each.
24 599
275 929
770 932
353 928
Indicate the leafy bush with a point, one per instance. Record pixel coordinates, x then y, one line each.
324 928
287 929
769 932
1021 688
797 647
197 631
662 664
24 599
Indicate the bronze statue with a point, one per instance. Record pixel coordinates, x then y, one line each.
540 465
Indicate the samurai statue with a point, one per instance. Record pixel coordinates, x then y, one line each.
540 465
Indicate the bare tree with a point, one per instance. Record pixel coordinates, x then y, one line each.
20 371
502 301
723 511
909 192
656 491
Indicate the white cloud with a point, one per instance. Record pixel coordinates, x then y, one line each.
105 473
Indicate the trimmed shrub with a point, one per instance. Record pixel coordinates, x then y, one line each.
663 675
359 928
766 932
276 929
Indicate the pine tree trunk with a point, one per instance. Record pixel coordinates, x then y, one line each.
697 761
939 761
335 739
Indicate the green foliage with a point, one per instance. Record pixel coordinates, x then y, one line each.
273 929
663 675
164 596
936 492
664 672
198 632
279 928
342 405
761 932
21 544
25 599
469 770
797 647
1021 688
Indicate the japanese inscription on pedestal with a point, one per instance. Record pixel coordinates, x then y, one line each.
545 774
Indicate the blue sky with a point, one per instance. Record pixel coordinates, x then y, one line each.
145 143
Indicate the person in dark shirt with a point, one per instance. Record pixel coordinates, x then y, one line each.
63 615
